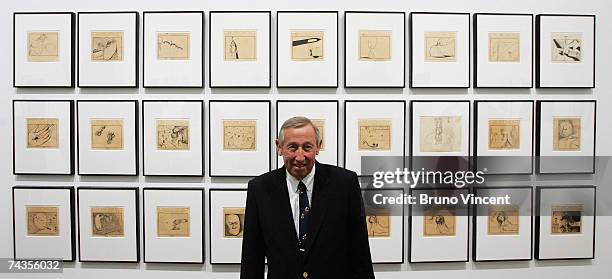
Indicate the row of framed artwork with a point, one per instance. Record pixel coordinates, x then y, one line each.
307 49
240 135
108 222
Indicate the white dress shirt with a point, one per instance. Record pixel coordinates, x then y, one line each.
294 196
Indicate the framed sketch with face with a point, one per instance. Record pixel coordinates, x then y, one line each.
173 138
109 228
385 225
565 136
44 223
173 217
239 139
107 49
42 137
565 222
226 209
43 53
107 132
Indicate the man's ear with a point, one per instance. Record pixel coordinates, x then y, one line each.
278 147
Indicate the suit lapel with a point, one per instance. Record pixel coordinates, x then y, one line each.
318 204
281 194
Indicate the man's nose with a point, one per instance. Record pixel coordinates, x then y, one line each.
300 155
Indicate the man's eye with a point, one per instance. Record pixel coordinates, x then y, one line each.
307 148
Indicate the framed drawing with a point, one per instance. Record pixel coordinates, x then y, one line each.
43 53
374 136
43 223
440 132
385 225
565 222
503 232
107 131
565 51
440 50
108 49
503 137
173 217
439 233
42 137
173 49
173 141
307 49
565 136
239 49
374 49
239 139
323 114
109 229
503 50
226 209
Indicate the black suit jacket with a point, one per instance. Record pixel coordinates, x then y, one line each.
337 246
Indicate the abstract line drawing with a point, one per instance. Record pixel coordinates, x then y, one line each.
504 47
307 45
107 134
173 221
107 46
440 133
378 222
374 134
43 220
240 45
503 220
107 221
172 134
42 133
320 124
566 219
374 45
239 135
504 134
439 221
43 46
566 47
172 46
233 222
566 133
440 46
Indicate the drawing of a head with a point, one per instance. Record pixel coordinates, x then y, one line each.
566 128
232 224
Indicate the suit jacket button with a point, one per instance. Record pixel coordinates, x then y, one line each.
305 274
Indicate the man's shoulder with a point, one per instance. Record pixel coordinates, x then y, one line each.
268 179
334 171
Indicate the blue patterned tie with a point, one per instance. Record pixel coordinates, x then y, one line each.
304 212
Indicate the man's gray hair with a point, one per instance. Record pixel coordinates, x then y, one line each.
297 122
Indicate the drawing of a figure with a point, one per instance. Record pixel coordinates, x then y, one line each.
439 222
42 133
374 134
378 225
240 45
239 135
374 45
173 221
440 46
503 220
440 133
107 134
566 47
173 134
566 133
107 221
42 221
43 46
306 45
107 46
233 222
504 134
566 219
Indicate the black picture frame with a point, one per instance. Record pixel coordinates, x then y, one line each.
72 216
136 50
475 224
144 17
337 48
143 102
475 49
144 218
137 225
72 49
136 135
365 190
72 144
210 68
411 58
210 226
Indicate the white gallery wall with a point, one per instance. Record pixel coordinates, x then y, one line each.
600 267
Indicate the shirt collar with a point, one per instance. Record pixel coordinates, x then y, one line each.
308 180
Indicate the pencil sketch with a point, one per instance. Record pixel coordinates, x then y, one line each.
43 46
378 222
107 46
439 221
320 124
107 221
240 45
43 220
107 134
374 134
503 220
173 221
374 45
42 133
504 134
233 222
172 46
440 134
566 47
172 134
566 219
440 46
566 133
504 47
306 45
239 135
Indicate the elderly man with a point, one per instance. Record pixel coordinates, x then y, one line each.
306 217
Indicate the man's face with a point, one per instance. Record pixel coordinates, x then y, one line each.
299 150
